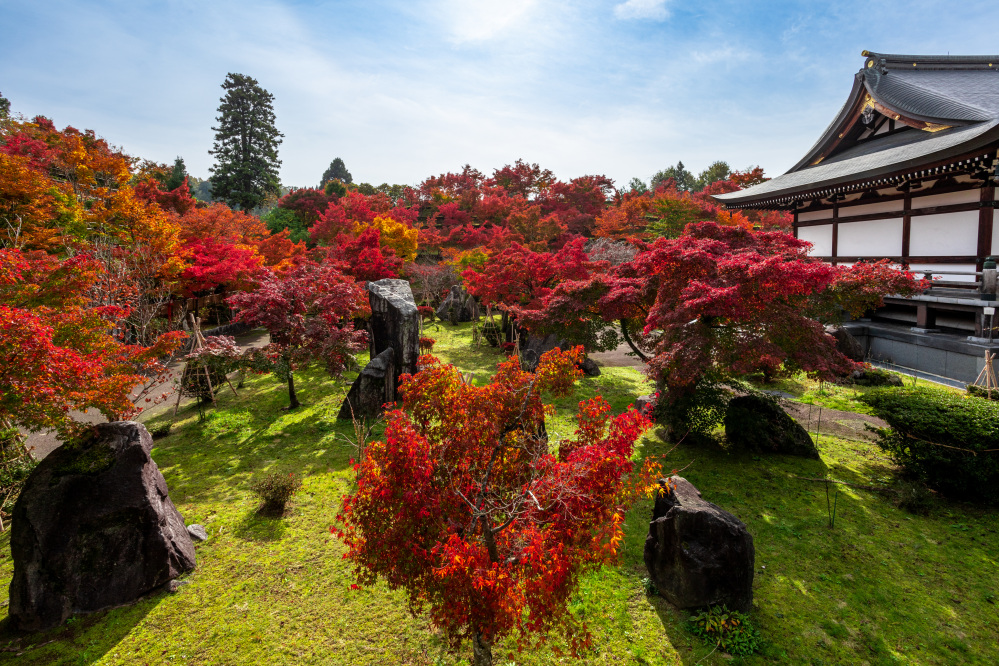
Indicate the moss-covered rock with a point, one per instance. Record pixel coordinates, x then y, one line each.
758 423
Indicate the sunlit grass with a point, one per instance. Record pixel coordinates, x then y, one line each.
881 587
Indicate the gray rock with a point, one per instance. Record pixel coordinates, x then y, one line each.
175 585
197 532
94 528
643 402
590 367
395 323
373 388
875 377
696 553
846 344
458 306
760 424
532 347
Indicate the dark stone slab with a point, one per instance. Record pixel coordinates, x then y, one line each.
532 347
760 424
373 388
697 554
94 528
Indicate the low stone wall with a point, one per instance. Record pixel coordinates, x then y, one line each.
946 357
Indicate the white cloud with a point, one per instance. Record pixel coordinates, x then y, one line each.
482 20
643 9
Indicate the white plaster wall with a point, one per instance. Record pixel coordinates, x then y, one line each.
964 196
960 268
875 238
868 209
820 237
815 215
995 234
945 234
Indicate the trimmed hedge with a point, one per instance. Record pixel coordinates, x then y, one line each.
941 437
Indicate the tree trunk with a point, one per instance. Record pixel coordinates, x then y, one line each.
482 651
627 338
291 392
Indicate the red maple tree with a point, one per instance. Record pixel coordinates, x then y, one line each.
464 507
308 312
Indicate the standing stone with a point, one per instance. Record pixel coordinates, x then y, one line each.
395 323
697 554
395 348
94 528
760 424
458 306
373 388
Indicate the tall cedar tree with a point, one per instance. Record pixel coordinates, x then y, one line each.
246 143
338 171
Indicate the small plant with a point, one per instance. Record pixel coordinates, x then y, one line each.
730 631
650 587
426 344
508 347
915 498
426 312
276 489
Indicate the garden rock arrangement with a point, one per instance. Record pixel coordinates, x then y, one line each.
697 554
94 528
458 306
759 424
395 348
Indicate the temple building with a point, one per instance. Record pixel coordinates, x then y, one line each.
907 171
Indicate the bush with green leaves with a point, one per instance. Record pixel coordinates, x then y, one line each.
731 631
15 466
276 489
692 414
947 440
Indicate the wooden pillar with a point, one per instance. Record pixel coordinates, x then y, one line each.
794 227
985 216
925 317
906 228
835 234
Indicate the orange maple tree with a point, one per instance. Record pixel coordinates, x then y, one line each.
465 508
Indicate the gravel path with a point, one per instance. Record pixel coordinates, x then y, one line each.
43 443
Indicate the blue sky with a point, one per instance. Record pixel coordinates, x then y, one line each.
403 90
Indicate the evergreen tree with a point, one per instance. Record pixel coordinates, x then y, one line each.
337 170
4 107
717 171
683 179
246 143
177 176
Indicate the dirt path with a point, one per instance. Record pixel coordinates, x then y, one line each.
43 443
832 421
618 358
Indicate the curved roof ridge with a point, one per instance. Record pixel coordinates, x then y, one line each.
946 109
910 61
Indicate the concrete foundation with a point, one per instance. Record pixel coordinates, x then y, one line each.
946 357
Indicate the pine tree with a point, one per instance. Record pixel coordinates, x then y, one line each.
337 170
246 143
177 177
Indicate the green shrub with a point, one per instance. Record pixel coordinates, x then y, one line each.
941 438
15 466
731 631
982 392
692 412
276 489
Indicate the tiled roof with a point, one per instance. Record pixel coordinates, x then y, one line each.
960 92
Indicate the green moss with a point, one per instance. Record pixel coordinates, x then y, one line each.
884 586
96 458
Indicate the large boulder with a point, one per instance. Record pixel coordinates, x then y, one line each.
373 388
697 554
94 528
760 424
532 347
395 323
846 344
458 306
